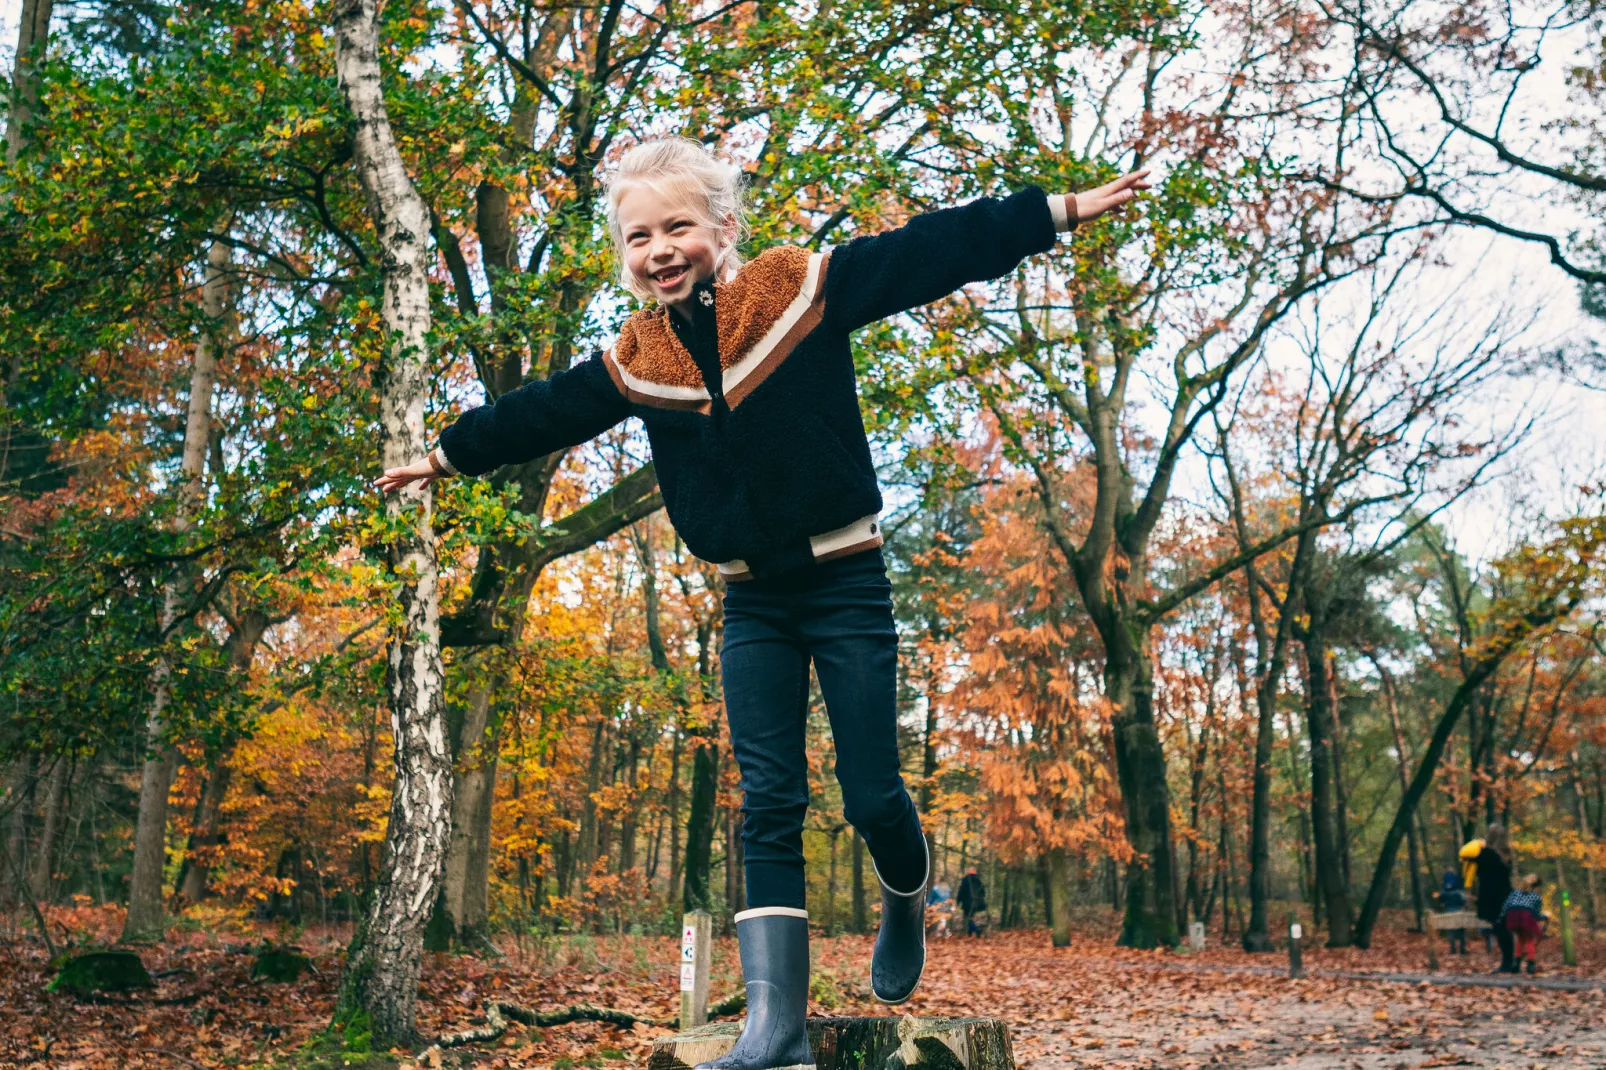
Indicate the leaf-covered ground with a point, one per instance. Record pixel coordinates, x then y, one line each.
1090 1005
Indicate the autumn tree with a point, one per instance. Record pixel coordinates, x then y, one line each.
1537 585
1360 430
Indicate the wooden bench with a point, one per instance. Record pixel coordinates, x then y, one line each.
1460 919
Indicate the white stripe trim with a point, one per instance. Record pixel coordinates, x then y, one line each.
446 462
765 912
659 390
861 530
1056 208
733 375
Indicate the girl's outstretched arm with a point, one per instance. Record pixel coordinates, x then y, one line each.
540 417
934 254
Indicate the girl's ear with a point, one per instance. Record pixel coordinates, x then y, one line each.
727 241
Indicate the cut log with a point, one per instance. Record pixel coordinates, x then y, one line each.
869 1043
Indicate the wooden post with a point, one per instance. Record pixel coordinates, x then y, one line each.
696 958
1569 955
1196 936
1433 944
856 1043
1296 961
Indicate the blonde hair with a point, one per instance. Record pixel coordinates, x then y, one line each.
1498 840
685 171
1531 881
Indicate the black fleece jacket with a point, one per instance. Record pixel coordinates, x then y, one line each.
754 475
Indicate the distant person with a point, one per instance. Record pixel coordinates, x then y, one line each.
940 911
1493 862
1523 915
1452 899
972 900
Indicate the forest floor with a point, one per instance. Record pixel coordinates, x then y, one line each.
1089 1005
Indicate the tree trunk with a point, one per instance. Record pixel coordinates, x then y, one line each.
695 891
1271 662
1340 791
830 887
1058 904
463 900
1391 702
586 849
1151 911
627 827
1319 716
1592 904
207 835
861 918
33 36
44 874
19 798
146 920
735 879
207 838
380 982
674 816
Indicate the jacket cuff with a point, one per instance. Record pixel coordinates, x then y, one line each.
439 454
1063 208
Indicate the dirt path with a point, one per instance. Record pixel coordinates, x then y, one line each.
1454 980
1098 1007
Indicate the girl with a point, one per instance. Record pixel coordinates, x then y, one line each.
1523 915
1493 861
743 376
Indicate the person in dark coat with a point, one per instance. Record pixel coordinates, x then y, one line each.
1452 898
972 900
1494 885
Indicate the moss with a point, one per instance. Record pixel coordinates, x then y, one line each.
279 965
102 971
327 1052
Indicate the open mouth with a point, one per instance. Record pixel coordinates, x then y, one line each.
670 276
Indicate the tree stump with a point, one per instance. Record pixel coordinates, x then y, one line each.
885 1043
101 971
280 965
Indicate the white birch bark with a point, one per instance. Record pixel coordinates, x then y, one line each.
382 968
146 917
33 34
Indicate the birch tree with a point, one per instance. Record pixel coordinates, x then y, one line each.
381 977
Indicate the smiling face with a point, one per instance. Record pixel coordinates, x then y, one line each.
665 246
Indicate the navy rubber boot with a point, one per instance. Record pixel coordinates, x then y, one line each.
900 946
775 964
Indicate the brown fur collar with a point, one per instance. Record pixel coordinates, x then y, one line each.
744 308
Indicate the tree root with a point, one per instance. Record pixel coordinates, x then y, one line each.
498 1013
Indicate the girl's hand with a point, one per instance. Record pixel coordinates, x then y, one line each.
1095 202
398 478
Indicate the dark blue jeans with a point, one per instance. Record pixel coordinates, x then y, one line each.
838 615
